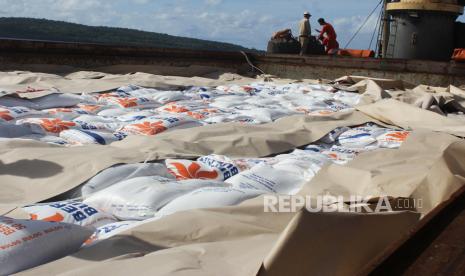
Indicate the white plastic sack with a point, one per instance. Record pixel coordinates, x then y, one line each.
72 212
107 231
164 97
209 198
267 179
187 169
392 139
66 114
120 173
156 125
25 244
75 136
14 131
360 137
140 198
132 102
10 114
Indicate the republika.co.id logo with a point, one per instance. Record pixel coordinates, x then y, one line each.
331 204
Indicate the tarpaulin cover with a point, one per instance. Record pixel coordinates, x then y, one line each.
240 240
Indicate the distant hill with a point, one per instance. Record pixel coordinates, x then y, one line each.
43 29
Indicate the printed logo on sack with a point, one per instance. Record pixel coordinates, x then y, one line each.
175 108
60 110
229 170
192 172
55 218
56 125
397 136
77 210
126 103
5 115
90 108
147 128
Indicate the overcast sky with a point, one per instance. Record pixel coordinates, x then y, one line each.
245 22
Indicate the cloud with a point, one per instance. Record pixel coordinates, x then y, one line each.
213 2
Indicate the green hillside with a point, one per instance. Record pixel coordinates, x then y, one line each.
43 29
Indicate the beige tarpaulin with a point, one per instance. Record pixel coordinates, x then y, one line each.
34 171
195 240
22 83
238 240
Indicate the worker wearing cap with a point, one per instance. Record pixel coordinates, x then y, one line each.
305 32
328 37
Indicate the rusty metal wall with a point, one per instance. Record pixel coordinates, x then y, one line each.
21 54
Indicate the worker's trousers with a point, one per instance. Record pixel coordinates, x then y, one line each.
304 41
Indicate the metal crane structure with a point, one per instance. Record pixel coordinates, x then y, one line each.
421 29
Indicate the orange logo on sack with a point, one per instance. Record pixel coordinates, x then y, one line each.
89 108
195 115
5 115
148 128
192 172
399 136
127 102
58 110
55 218
56 125
176 108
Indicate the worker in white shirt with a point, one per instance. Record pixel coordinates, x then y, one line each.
305 33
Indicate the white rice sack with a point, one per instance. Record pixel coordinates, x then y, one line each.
164 97
140 198
228 101
222 163
182 106
341 155
209 198
8 130
332 137
132 102
128 88
302 163
9 101
92 108
120 173
266 115
72 212
318 148
392 139
135 116
50 126
229 118
267 179
66 114
75 136
57 100
47 139
261 101
360 137
53 126
110 230
92 119
156 125
187 169
349 98
25 244
114 112
10 114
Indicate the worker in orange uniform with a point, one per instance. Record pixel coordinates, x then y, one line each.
328 37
